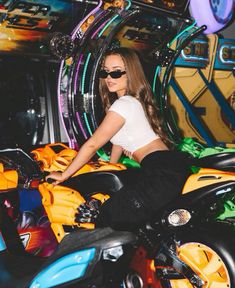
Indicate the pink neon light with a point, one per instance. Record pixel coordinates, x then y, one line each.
84 19
99 28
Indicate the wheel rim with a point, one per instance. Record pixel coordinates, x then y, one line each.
206 263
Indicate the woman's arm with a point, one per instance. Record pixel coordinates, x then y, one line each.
116 153
111 124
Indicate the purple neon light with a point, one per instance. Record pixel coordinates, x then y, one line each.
73 35
60 105
80 125
201 11
84 19
77 70
99 28
75 89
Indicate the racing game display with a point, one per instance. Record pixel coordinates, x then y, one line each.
176 6
26 26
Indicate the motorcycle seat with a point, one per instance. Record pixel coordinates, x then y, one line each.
221 161
101 181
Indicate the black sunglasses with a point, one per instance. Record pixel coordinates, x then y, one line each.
113 74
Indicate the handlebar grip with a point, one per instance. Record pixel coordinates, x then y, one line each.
50 180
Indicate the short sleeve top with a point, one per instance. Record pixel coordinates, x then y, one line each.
136 131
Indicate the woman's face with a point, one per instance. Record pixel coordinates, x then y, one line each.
118 85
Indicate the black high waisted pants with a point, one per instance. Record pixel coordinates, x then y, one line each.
163 174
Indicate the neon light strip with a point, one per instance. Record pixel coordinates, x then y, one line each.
83 84
107 25
60 104
76 74
168 45
99 152
186 57
232 47
75 88
74 33
80 125
87 123
73 36
84 71
2 243
157 72
182 32
101 26
129 5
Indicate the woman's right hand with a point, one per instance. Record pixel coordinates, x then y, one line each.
57 176
127 153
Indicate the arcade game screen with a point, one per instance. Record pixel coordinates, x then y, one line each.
175 6
26 26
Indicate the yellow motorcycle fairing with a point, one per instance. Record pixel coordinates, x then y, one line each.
8 179
205 177
61 203
206 263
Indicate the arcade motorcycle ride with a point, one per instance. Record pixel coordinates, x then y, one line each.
189 243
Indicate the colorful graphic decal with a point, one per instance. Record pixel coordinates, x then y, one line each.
25 26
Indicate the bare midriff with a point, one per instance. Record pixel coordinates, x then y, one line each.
155 145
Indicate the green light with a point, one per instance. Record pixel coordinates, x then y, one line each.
155 78
106 26
87 123
129 5
84 71
182 32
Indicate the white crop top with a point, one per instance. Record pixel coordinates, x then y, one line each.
136 131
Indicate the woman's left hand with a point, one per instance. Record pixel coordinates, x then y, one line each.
57 176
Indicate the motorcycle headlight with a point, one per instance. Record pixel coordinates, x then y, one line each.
179 217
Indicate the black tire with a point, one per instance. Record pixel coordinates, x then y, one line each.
217 241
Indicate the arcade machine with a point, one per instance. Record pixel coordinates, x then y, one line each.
202 83
159 31
202 88
150 27
28 115
28 110
187 88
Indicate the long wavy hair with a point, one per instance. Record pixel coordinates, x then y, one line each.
137 86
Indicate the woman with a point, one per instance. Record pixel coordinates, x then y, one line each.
132 125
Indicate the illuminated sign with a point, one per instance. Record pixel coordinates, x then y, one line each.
195 54
225 55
